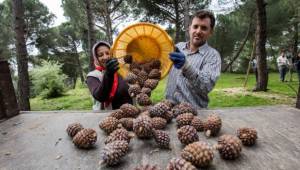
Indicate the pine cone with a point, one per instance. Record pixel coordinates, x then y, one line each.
143 99
134 90
154 74
130 110
180 164
74 128
142 127
212 125
86 138
113 152
198 153
151 83
158 110
162 138
109 124
118 134
118 114
127 123
187 134
248 136
184 119
198 124
183 107
229 147
159 122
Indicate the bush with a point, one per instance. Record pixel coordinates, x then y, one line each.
48 80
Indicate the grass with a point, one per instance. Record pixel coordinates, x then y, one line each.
228 92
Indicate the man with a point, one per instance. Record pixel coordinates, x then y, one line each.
197 66
282 63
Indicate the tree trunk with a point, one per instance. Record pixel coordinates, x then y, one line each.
177 21
77 59
186 6
91 32
295 45
242 45
108 23
249 64
8 101
298 98
22 56
261 36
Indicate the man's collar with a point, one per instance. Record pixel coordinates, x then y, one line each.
200 49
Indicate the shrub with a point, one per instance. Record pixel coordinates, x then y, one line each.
48 80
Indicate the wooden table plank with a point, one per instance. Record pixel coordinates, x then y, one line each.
37 140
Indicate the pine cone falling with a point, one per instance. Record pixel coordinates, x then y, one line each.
130 110
187 134
113 152
151 83
248 136
128 59
109 124
73 129
200 154
146 91
158 110
162 138
183 107
184 119
159 122
134 90
142 127
155 64
212 125
147 167
127 123
180 164
135 71
143 99
85 139
229 147
198 124
154 74
118 134
147 67
131 78
142 77
135 65
118 114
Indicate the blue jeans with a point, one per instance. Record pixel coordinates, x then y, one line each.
282 72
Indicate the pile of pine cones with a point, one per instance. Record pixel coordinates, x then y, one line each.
142 79
148 121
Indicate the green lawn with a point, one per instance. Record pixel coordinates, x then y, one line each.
229 92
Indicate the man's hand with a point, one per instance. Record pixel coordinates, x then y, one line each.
112 65
178 59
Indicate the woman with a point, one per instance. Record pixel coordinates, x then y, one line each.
104 83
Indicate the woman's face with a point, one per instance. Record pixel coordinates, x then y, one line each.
103 54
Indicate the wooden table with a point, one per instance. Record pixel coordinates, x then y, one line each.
38 140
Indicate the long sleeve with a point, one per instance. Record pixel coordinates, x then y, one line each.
100 90
203 79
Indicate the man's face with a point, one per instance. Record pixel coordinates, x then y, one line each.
200 31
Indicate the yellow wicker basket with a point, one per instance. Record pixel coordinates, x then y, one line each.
145 42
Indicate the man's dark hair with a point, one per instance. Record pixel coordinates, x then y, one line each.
205 14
